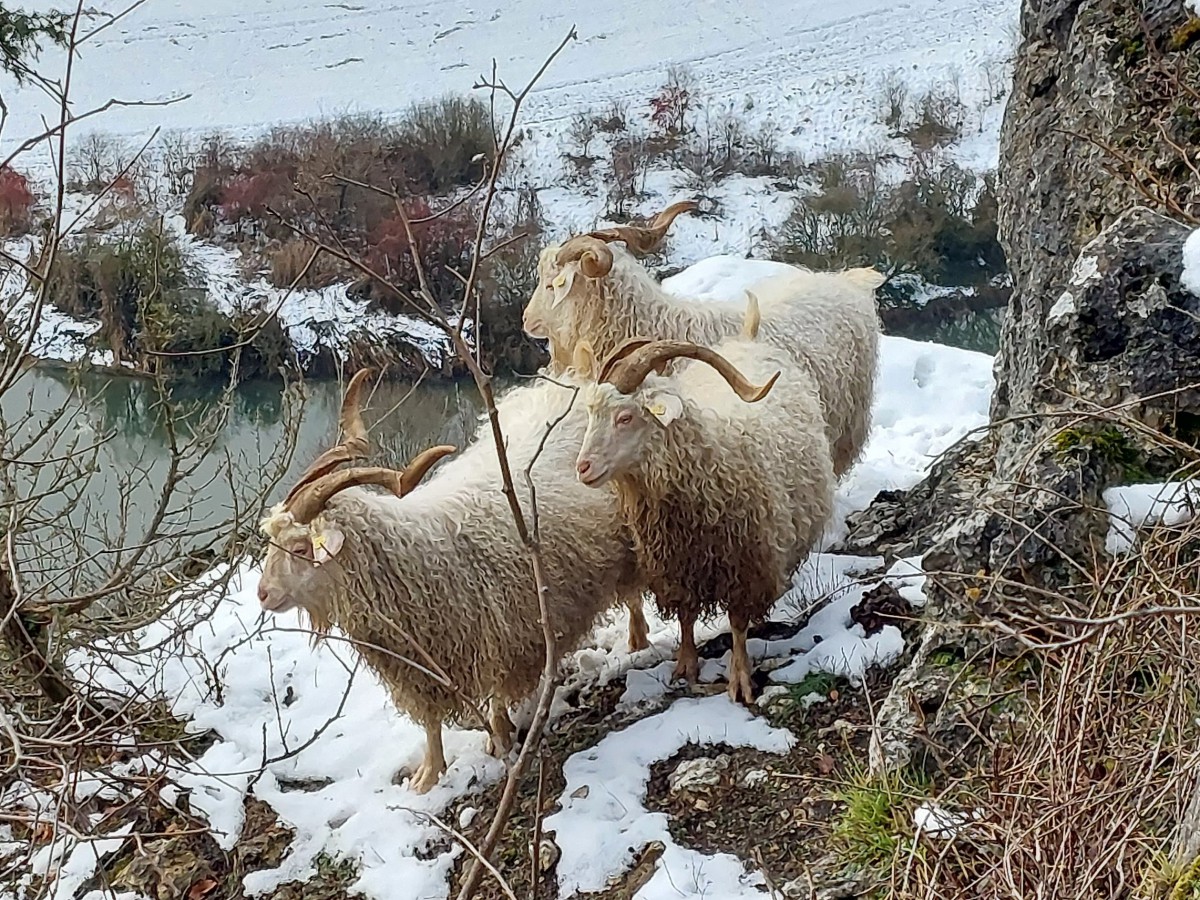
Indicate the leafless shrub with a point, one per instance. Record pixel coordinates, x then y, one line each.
626 177
893 101
103 534
99 159
938 222
581 134
1088 785
614 119
178 160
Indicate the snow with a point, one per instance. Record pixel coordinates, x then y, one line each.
812 68
603 822
941 823
1135 506
1191 259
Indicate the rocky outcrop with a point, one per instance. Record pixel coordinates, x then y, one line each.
1096 120
1100 351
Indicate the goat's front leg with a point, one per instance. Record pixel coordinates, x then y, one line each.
740 668
434 763
639 631
500 729
687 661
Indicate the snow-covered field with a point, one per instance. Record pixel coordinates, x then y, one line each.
811 71
244 64
276 692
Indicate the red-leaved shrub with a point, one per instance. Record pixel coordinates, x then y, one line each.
443 244
16 203
248 196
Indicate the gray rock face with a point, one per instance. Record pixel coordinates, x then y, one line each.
1079 100
1102 342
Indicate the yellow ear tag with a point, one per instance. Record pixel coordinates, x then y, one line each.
560 279
657 409
318 543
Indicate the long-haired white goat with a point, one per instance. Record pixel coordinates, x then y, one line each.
592 288
725 491
436 589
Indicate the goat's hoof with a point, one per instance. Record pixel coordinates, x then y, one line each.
424 778
499 747
687 669
741 688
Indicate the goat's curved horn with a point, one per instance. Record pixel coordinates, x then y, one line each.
309 502
645 239
614 358
631 371
595 259
354 444
421 464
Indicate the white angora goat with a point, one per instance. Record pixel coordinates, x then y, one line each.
435 589
725 491
592 288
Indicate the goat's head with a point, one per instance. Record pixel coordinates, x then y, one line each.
564 271
627 405
302 539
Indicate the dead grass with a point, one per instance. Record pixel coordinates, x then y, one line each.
1095 792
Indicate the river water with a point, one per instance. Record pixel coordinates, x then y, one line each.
96 451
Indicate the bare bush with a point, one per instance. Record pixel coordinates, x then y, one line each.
626 178
670 107
1088 773
893 101
614 119
99 159
939 222
103 534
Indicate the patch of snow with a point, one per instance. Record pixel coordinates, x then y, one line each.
1135 506
599 830
909 578
830 641
1063 307
938 822
1191 257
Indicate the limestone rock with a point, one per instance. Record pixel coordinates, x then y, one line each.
697 775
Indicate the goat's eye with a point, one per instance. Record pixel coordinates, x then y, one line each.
305 550
624 418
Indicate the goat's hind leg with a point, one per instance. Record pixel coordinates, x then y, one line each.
740 686
639 631
434 763
687 661
500 729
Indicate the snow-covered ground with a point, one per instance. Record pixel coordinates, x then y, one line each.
811 71
811 65
338 792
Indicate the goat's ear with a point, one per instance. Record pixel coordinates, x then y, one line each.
584 360
326 544
563 282
664 406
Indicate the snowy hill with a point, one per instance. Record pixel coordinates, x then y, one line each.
245 64
812 74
